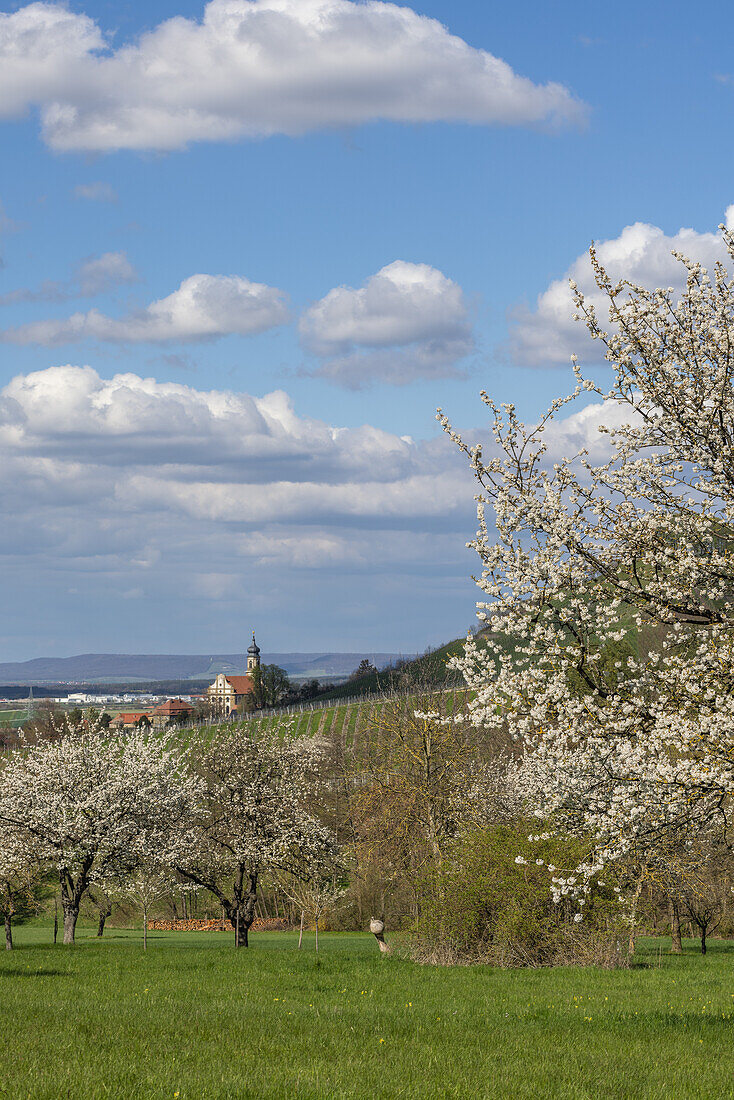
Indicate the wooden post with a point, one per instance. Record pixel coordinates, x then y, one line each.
676 946
377 928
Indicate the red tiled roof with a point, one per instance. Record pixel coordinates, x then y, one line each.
130 716
173 706
242 685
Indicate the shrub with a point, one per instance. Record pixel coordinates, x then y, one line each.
482 905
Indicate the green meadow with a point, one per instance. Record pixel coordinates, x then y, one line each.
192 1019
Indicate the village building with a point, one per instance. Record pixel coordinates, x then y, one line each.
230 694
170 712
128 720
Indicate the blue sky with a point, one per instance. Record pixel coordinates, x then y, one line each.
356 246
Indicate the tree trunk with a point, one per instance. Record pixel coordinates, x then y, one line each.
71 915
703 939
71 896
633 920
145 928
239 920
56 918
300 934
317 935
100 925
242 911
8 932
676 945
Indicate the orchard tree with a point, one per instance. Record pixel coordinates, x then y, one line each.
95 805
103 897
315 885
254 819
147 884
583 554
21 878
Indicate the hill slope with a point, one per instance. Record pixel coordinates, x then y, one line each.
429 669
101 667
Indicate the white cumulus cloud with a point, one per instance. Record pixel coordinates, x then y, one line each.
203 307
254 68
408 321
135 478
547 334
126 488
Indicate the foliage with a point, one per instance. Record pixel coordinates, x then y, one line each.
486 903
432 669
22 882
424 778
270 685
364 668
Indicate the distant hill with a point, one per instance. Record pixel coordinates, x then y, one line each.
90 668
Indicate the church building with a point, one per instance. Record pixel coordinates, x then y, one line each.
228 694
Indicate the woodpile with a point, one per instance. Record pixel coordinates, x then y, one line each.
271 924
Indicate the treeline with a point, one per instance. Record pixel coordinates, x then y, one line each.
421 822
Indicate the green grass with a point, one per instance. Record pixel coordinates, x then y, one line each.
193 1019
346 720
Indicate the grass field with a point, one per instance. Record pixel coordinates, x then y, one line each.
193 1020
352 723
13 717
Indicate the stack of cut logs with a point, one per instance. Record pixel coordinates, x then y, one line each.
272 924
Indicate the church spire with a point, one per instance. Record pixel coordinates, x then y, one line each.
253 655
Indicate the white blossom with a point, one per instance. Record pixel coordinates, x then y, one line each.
94 804
614 580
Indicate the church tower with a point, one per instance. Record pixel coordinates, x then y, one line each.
253 655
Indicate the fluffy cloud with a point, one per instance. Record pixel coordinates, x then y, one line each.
211 454
204 307
178 510
94 276
641 253
131 446
253 68
139 481
408 321
44 48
